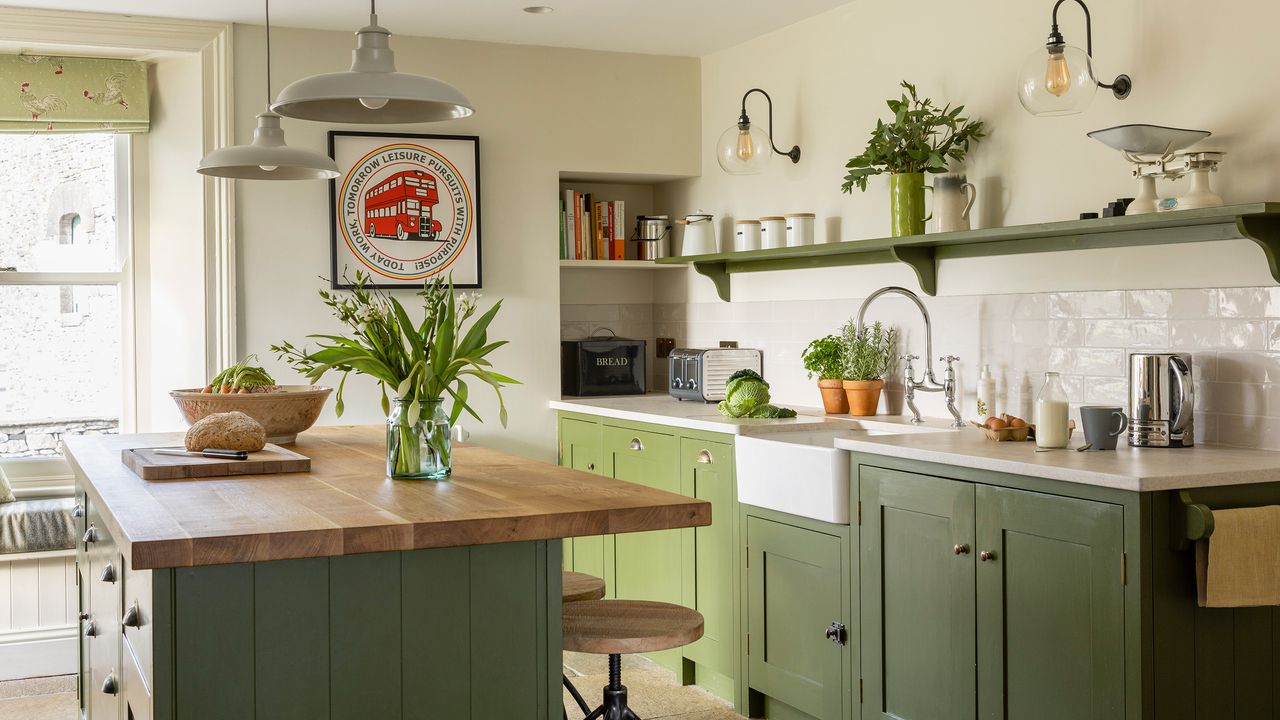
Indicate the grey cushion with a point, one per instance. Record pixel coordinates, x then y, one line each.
37 525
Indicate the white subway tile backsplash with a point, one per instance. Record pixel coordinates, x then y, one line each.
1087 304
1126 333
1033 306
1068 333
1149 303
1249 302
1106 390
1101 361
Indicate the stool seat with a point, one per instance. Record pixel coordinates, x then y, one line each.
611 627
576 587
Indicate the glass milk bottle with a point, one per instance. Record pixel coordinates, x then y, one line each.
1051 413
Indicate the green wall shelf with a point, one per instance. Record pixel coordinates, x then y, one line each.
1259 222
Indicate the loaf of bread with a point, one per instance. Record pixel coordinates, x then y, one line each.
227 431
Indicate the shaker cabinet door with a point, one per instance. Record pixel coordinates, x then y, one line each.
1050 607
580 449
706 472
917 550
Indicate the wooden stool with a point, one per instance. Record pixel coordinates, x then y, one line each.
576 587
615 627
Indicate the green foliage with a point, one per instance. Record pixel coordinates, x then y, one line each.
921 138
868 351
825 358
747 396
419 363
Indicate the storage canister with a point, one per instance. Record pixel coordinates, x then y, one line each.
653 232
799 229
773 231
746 235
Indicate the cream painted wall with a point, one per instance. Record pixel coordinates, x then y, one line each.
169 250
1194 64
539 111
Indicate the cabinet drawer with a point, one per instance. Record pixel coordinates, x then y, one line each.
642 456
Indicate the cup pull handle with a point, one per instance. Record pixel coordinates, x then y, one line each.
636 444
704 457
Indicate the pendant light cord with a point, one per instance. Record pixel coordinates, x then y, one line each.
266 6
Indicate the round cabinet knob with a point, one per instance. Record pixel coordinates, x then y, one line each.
986 555
108 574
704 457
636 444
132 617
109 685
90 535
961 549
91 629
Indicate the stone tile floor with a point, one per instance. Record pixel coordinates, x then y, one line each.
47 698
652 691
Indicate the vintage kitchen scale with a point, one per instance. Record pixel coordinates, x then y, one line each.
1161 152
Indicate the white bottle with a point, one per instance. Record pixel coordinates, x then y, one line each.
986 394
1052 410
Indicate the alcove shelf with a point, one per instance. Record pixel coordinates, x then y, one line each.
1259 222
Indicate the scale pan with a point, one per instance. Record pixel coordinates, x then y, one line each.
1148 139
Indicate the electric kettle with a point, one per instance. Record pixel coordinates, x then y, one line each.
1161 400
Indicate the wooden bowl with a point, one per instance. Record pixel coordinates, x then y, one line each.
283 413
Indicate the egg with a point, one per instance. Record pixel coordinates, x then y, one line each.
1017 422
996 423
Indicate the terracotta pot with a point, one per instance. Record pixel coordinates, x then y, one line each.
834 401
863 395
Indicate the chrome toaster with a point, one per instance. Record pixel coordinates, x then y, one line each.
701 374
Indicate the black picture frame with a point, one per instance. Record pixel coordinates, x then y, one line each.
335 236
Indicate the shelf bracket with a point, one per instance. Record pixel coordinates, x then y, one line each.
719 275
1265 231
922 259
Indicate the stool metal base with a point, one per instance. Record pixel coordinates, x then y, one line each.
615 705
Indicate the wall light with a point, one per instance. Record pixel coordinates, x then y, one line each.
745 149
1058 79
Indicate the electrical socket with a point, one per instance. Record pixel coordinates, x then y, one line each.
728 343
665 346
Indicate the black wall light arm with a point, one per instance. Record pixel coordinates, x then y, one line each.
744 122
1122 85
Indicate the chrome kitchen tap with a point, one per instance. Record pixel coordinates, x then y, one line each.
929 382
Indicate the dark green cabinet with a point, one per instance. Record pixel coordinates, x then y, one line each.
1050 607
800 653
989 602
918 632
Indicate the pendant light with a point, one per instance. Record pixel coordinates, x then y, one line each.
372 91
268 157
745 149
1058 79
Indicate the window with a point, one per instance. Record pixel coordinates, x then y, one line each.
64 248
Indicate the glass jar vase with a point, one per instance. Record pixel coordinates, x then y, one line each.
418 450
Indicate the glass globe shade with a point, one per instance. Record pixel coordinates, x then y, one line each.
744 152
1057 83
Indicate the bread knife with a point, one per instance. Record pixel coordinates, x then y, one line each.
215 453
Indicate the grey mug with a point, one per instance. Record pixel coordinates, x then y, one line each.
1103 424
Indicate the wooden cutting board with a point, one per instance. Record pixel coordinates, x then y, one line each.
149 465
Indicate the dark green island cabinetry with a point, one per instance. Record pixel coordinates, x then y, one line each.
335 593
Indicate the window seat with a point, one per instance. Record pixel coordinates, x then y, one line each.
28 526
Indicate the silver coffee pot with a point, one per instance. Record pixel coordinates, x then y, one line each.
1161 400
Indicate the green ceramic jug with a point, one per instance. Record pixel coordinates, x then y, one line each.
906 198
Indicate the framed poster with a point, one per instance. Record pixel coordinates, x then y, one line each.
405 208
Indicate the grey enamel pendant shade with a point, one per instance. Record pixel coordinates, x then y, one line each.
268 157
372 91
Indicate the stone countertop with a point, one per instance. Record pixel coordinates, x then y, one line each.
1127 468
346 505
662 409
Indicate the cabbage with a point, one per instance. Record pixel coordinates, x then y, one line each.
747 396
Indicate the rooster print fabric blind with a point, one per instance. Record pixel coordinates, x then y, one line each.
43 93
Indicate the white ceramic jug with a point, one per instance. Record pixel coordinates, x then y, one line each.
699 236
953 198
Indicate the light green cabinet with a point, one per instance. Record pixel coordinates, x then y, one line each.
989 602
709 564
800 656
581 448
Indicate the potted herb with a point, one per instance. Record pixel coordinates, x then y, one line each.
868 355
825 358
920 138
419 361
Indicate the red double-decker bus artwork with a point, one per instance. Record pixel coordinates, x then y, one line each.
401 206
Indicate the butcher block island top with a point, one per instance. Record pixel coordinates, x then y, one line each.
346 505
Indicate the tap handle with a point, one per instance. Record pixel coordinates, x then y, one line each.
909 358
948 359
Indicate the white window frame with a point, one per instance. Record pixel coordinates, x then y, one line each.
122 278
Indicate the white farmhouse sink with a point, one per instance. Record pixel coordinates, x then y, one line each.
802 473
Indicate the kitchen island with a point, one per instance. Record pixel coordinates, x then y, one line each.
335 593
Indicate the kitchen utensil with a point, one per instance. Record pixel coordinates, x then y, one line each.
216 453
799 229
773 231
746 235
699 236
701 374
149 464
953 198
1161 400
602 365
1085 447
1102 425
283 412
653 232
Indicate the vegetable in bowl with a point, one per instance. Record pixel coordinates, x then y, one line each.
242 378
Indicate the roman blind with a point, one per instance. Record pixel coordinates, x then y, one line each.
43 93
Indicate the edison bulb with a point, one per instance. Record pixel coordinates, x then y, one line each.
268 168
746 148
374 103
1057 74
